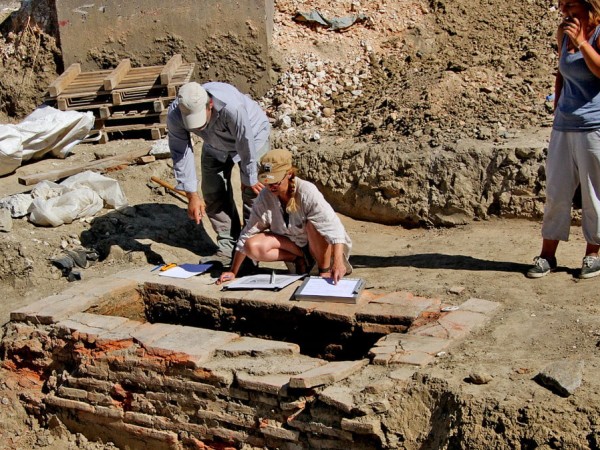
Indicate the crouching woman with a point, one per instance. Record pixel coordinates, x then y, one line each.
292 222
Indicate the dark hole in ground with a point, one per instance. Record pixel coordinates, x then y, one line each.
321 336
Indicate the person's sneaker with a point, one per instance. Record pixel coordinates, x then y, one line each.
541 267
590 267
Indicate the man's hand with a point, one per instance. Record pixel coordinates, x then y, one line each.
256 188
196 207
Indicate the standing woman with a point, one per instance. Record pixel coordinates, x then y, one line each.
292 222
574 149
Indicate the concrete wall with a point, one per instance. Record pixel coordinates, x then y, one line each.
229 40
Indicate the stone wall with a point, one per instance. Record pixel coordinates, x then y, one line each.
155 385
229 41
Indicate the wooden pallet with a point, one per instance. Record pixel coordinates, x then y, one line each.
122 99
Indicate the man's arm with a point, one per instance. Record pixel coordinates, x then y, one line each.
184 166
245 146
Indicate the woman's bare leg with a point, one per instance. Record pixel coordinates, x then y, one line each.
320 249
270 247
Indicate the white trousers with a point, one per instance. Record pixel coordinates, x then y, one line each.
573 159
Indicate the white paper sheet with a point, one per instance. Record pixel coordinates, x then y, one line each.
263 281
324 287
185 270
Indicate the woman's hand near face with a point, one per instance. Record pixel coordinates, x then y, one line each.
572 28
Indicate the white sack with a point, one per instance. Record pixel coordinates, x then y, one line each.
108 189
82 195
54 205
45 130
11 149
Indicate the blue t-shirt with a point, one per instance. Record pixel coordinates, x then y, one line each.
578 106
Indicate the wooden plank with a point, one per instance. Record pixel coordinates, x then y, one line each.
98 165
113 80
155 134
104 112
62 104
64 79
170 68
116 98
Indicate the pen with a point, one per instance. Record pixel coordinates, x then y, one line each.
157 267
272 277
167 267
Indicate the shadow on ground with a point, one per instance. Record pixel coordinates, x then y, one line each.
437 261
159 223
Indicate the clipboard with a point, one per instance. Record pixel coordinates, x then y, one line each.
318 289
270 282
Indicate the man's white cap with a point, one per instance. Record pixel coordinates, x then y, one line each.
192 104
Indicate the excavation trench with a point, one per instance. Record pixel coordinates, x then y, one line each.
151 363
332 337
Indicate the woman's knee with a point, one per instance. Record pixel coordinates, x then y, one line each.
254 246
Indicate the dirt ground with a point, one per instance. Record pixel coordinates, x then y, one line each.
441 72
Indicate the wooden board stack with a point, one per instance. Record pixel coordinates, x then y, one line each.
124 99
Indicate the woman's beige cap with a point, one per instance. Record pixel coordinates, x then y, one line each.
274 165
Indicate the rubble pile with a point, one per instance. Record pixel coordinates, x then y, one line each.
304 94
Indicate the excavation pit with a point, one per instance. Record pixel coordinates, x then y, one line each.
331 331
114 369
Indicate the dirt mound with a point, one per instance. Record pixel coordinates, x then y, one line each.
470 65
28 60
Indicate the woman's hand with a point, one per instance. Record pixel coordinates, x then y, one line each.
572 28
226 276
338 270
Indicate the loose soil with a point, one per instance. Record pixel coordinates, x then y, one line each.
442 73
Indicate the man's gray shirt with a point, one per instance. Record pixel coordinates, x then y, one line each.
238 127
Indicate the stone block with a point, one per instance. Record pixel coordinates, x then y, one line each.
99 399
275 384
230 436
186 343
89 384
144 433
480 306
89 326
380 328
317 428
139 418
396 308
340 397
239 394
454 325
78 394
30 312
69 404
220 417
562 377
413 358
368 426
266 399
123 333
111 413
257 347
410 342
206 390
280 433
327 374
333 311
